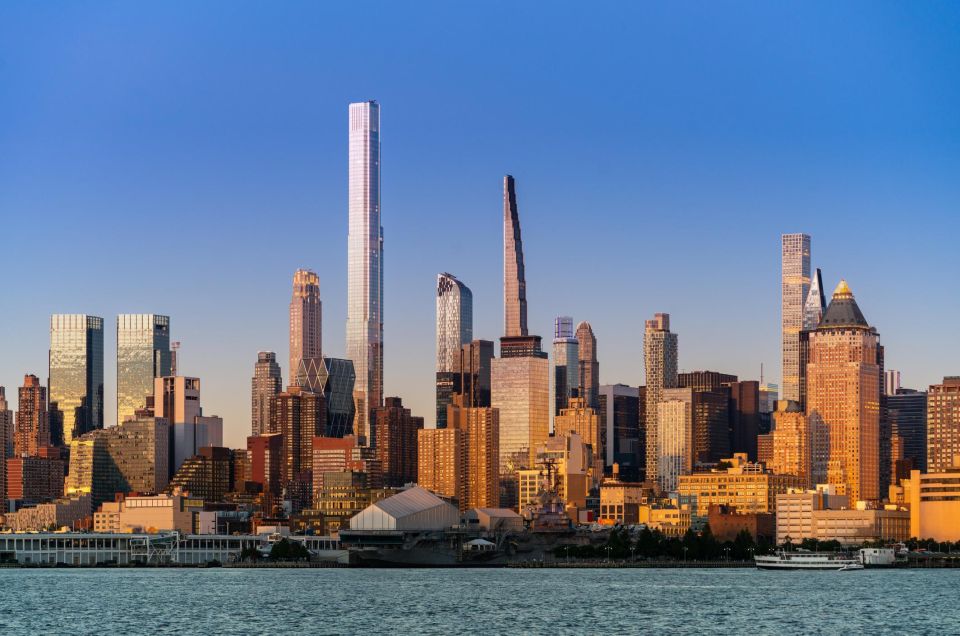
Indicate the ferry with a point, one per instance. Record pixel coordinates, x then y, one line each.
805 560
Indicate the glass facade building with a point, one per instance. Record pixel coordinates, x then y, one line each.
521 395
365 263
75 387
454 329
143 353
794 289
566 363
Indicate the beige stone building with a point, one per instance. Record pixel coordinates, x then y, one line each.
747 486
440 461
935 504
791 443
943 425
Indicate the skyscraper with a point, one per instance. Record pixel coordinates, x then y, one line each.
6 426
306 321
76 376
265 385
365 264
480 436
396 442
907 415
843 399
795 286
32 432
299 415
514 276
143 353
473 373
891 383
815 304
792 442
589 373
660 362
566 363
943 425
621 429
454 329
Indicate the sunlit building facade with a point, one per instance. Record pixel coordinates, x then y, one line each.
794 289
943 425
580 419
521 394
792 443
844 380
660 362
514 275
589 368
32 430
306 320
365 264
76 375
454 330
566 363
440 460
143 353
265 386
675 437
747 486
480 436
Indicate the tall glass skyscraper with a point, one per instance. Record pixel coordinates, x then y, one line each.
566 362
589 374
794 288
454 329
75 376
306 310
365 264
143 353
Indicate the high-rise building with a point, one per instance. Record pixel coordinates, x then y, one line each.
707 433
795 287
480 436
566 363
395 439
32 432
266 461
208 475
744 417
91 470
33 480
792 443
472 376
143 354
621 435
265 386
6 426
299 415
843 399
334 378
177 399
660 362
514 275
454 330
338 454
675 445
815 304
306 321
891 382
589 368
440 460
76 376
579 418
704 380
365 264
943 425
907 416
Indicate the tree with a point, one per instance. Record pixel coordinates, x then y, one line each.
285 550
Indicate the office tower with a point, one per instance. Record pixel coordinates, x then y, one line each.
589 368
704 380
579 418
744 417
76 376
891 382
395 439
620 434
365 264
306 320
710 424
660 362
91 470
338 454
943 425
335 379
907 416
792 443
131 457
143 354
208 475
795 287
514 276
266 461
815 304
266 384
472 374
6 426
440 461
298 415
32 432
675 438
177 399
480 437
843 399
454 330
566 363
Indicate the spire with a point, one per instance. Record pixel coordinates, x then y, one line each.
815 304
514 281
843 310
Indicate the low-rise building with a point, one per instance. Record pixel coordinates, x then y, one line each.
492 520
66 512
935 504
160 513
747 486
670 517
620 501
822 515
726 522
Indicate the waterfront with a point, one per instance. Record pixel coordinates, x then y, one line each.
344 601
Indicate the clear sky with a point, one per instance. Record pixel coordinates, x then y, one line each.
185 158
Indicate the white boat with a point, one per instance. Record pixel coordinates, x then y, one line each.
804 560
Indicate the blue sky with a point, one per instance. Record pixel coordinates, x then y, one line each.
186 158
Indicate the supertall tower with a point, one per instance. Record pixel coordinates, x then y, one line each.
76 376
306 321
660 361
514 277
794 288
365 264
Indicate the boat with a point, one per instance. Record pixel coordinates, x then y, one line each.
806 560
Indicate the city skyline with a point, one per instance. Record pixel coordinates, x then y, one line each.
879 174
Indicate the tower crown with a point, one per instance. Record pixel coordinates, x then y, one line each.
843 310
